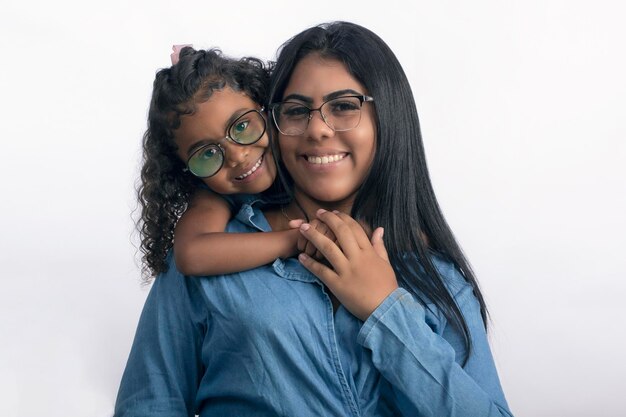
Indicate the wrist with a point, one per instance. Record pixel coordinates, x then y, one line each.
289 243
292 238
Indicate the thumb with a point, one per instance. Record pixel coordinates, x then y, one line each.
379 244
295 224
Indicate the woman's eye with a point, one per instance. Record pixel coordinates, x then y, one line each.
296 111
343 106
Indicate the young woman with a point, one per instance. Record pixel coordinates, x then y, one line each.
361 337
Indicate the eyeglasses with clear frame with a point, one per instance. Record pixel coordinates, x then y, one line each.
340 114
247 129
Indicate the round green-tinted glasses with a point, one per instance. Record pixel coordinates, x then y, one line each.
247 129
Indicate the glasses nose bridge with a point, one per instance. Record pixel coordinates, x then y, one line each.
322 115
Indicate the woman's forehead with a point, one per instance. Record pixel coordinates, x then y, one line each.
316 77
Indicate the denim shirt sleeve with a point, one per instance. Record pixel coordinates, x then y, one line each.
422 360
164 369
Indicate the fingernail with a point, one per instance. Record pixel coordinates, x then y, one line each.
336 211
305 226
382 232
303 257
320 211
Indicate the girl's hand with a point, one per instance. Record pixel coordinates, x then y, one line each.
360 275
306 246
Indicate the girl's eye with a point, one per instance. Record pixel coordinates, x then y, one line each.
208 153
241 126
206 161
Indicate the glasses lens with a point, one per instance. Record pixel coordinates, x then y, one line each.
342 113
206 161
291 118
248 128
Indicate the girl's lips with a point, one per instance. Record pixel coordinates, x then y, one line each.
251 173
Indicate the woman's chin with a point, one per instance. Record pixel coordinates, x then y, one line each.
328 199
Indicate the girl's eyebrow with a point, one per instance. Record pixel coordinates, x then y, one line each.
206 141
327 97
237 113
198 145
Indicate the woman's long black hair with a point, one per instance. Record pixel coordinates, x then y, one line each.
165 188
397 193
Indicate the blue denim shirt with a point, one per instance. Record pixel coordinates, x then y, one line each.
266 342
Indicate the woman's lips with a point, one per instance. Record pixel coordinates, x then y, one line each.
325 159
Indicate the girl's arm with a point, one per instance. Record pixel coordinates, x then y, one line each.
201 247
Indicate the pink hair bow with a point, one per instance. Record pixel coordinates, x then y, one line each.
175 55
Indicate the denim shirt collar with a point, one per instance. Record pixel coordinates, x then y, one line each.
251 215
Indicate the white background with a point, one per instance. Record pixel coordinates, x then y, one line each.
522 106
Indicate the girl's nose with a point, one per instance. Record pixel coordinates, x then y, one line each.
236 154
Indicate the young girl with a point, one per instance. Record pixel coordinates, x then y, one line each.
205 151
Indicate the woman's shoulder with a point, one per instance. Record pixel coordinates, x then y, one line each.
450 274
447 270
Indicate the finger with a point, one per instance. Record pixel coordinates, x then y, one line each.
325 230
324 273
318 256
378 244
309 248
302 242
359 232
294 224
327 247
342 231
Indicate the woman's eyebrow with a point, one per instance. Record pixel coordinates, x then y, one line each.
298 97
329 96
335 94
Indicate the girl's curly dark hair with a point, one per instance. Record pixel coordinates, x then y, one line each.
165 188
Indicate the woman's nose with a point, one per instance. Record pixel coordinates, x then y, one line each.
236 154
318 128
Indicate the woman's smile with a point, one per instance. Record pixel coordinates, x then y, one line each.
319 160
325 159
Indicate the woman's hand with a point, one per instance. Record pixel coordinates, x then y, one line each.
360 275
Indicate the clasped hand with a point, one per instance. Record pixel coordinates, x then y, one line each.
358 271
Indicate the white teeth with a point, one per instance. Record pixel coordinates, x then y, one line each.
326 159
254 168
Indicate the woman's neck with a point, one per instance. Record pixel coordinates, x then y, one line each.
303 206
